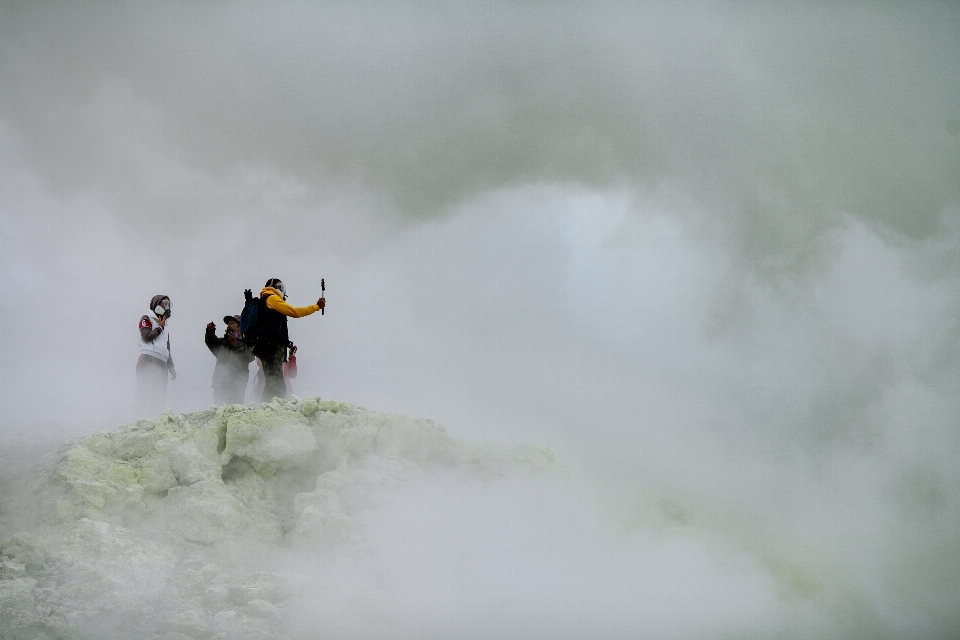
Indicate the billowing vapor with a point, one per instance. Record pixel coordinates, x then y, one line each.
707 253
777 123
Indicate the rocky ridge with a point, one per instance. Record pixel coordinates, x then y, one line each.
192 526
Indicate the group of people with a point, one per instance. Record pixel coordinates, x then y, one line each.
268 342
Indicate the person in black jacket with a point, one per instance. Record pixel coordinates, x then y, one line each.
273 339
233 359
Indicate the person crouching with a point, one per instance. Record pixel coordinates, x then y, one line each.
231 373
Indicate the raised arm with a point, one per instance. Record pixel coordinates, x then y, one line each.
211 340
149 332
279 304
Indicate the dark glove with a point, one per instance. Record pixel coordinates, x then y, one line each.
248 295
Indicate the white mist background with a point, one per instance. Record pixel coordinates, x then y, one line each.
700 252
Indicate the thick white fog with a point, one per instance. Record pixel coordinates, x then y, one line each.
706 253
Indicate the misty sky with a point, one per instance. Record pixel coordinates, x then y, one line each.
714 247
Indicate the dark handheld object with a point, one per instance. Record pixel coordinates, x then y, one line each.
247 295
323 288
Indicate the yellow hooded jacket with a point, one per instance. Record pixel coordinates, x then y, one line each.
276 302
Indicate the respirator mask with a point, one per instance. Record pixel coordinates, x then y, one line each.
163 309
283 290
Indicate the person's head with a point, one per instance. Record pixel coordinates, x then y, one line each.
160 305
232 333
276 284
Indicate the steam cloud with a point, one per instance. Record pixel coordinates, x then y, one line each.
705 249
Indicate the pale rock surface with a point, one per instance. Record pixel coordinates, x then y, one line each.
195 526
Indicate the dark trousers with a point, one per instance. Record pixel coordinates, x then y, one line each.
273 385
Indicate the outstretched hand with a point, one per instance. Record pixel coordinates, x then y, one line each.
211 326
321 303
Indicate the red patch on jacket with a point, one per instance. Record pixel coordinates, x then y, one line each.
145 323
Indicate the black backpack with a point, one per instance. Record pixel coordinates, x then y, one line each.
250 319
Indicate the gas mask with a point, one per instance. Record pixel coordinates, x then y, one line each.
163 309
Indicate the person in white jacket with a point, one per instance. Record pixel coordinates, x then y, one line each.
155 363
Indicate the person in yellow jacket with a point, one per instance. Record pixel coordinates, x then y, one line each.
273 338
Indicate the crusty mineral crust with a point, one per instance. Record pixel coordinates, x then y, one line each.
144 530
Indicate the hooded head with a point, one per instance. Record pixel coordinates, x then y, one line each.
276 284
160 305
